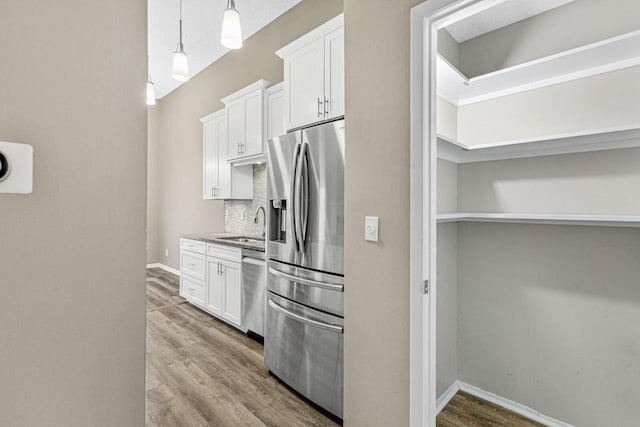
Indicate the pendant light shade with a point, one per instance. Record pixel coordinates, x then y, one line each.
231 32
151 93
180 69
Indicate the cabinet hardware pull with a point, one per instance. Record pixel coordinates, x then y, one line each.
320 114
326 106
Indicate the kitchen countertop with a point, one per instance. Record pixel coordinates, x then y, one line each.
223 239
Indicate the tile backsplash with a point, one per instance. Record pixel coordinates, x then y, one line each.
236 210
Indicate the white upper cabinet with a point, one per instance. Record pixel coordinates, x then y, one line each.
314 75
275 111
246 122
334 73
220 180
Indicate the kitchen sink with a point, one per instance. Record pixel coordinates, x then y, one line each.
243 239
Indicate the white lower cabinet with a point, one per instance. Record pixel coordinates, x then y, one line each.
215 287
232 292
193 290
211 278
192 271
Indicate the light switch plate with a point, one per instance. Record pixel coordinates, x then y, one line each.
16 168
371 228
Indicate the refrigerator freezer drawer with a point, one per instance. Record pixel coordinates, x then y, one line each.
304 348
319 290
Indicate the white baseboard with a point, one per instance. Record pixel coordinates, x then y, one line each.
164 267
512 406
446 397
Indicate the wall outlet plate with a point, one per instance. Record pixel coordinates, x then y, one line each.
16 168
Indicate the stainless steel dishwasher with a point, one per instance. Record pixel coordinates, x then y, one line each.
253 291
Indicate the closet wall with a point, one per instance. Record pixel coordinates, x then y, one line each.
543 315
596 102
447 281
548 318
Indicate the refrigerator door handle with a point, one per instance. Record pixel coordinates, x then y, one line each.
304 194
293 213
297 203
308 282
302 319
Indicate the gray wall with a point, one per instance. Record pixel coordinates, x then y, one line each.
598 102
72 256
574 24
447 279
178 206
447 307
603 182
548 317
545 314
377 183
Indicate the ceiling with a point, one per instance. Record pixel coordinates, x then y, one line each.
501 15
201 26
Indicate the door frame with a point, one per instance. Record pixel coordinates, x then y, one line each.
426 19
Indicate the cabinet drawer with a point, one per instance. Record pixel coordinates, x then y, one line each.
193 245
225 252
192 290
193 264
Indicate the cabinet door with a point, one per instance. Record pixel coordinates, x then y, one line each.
334 74
232 292
224 168
235 128
215 287
275 114
304 85
253 124
210 156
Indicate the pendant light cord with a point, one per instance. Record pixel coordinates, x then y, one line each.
181 23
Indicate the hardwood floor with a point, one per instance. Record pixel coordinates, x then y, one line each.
201 372
465 410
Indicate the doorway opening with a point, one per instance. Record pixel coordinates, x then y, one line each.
524 148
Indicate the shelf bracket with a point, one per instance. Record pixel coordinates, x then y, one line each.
425 286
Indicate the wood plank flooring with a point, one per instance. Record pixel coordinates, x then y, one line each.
202 372
465 410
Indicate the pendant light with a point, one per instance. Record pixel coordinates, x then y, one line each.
180 70
151 93
231 32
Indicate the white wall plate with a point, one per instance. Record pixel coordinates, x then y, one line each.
16 168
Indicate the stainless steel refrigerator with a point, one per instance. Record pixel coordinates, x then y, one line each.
305 262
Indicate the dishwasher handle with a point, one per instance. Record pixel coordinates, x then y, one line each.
249 260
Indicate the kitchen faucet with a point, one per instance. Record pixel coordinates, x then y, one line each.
264 219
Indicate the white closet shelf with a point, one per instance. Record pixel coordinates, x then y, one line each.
530 218
577 142
608 55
